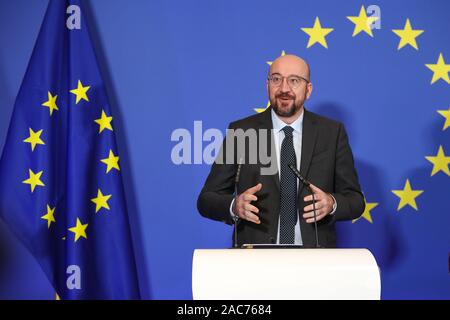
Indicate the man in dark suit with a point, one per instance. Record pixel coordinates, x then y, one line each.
272 207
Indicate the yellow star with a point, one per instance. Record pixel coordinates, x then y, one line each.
34 138
440 70
362 22
51 103
366 214
446 115
80 92
79 230
407 36
407 196
101 201
259 110
34 180
50 216
283 53
104 122
112 162
317 34
440 162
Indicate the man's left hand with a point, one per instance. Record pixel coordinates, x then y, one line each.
324 205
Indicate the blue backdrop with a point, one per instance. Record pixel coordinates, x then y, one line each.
167 64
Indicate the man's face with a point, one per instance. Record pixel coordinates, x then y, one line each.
288 97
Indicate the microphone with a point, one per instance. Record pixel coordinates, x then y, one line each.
235 216
308 185
299 176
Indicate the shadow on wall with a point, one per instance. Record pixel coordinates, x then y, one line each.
395 237
5 258
6 102
19 271
382 237
6 107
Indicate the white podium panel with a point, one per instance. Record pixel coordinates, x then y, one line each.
297 274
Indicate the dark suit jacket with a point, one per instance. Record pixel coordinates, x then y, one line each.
326 161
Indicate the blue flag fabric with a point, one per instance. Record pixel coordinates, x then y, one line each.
61 188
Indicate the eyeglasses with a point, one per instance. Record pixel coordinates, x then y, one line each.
293 81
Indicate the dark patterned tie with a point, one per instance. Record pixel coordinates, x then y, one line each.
288 189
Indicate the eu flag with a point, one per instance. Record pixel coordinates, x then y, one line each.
61 188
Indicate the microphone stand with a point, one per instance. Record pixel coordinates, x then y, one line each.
235 216
315 216
307 185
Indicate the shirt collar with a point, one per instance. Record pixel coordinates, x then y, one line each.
278 124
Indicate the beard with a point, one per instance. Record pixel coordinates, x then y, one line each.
288 108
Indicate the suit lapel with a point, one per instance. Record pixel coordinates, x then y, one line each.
266 123
309 136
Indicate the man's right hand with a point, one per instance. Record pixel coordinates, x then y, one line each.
242 206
